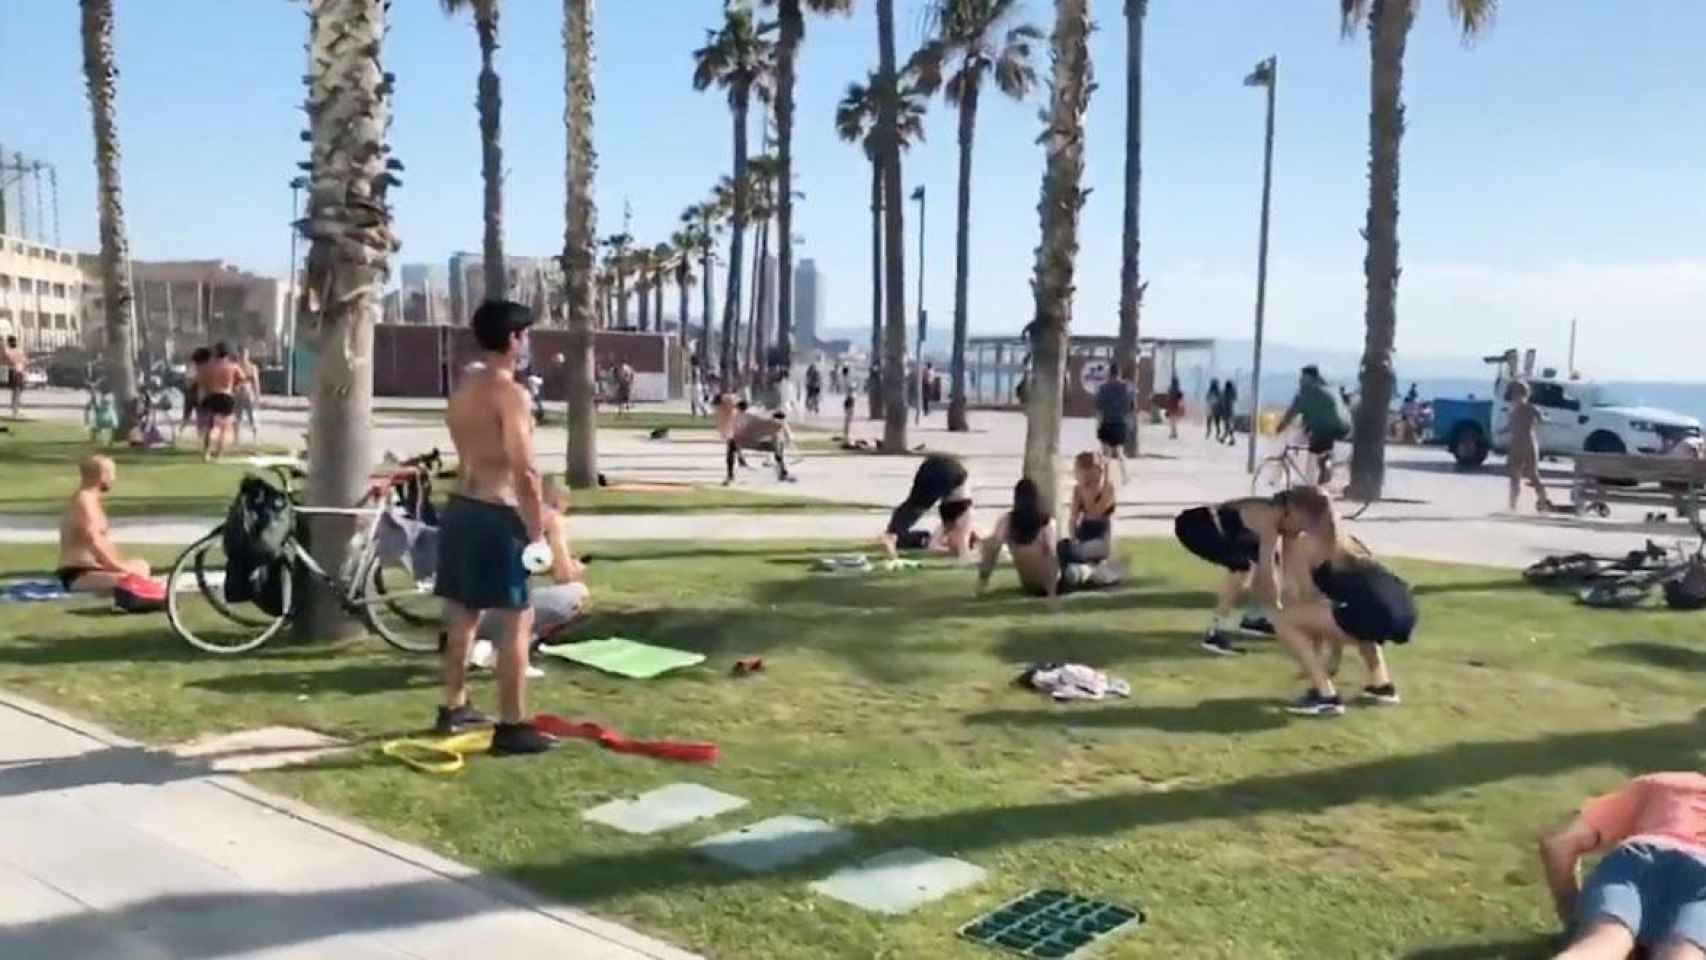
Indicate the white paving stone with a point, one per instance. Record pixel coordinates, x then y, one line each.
899 881
664 808
266 748
774 843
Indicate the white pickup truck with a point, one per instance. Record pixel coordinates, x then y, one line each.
1578 416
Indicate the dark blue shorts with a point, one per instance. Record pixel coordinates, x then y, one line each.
1659 893
479 556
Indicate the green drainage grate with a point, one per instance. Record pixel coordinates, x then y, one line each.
1050 923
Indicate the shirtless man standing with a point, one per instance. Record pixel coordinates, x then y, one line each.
16 365
496 511
217 382
88 561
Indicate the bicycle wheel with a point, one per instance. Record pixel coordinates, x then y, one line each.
197 609
401 608
1272 475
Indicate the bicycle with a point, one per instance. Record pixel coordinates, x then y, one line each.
1282 471
1630 583
383 592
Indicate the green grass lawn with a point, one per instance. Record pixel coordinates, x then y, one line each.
888 706
38 473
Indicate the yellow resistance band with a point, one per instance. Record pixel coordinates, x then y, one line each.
439 756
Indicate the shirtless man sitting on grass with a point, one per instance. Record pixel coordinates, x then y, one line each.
88 560
496 511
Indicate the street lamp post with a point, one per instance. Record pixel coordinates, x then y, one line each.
296 186
918 354
1266 75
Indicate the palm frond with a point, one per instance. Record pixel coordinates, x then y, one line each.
1351 15
1474 17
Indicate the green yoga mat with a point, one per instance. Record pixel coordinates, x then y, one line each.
623 657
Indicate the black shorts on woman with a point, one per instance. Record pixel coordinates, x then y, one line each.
1218 535
935 480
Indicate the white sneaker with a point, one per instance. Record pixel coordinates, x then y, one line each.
482 655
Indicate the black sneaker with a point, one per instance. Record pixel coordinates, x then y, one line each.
1256 624
457 719
1313 704
515 739
1386 696
1216 643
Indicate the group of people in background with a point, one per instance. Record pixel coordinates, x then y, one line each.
1221 404
222 390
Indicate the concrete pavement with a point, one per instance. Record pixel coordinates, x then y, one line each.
112 850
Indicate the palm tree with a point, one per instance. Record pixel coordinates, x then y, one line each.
791 17
855 122
662 255
736 58
490 105
1057 253
704 221
1389 23
977 40
619 262
580 240
101 75
762 192
682 244
348 226
1131 288
894 227
640 265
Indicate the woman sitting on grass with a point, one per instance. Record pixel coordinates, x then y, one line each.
1333 594
1028 531
1092 512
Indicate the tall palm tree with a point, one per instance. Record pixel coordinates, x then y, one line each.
763 190
894 227
703 221
1131 287
490 105
683 246
1057 252
640 265
736 58
580 239
662 258
855 122
348 226
1389 23
620 245
791 18
977 40
101 75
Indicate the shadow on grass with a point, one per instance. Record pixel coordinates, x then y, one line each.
1237 715
975 829
1095 647
152 643
356 679
1529 948
1655 655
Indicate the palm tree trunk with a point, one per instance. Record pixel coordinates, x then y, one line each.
737 241
787 52
580 240
706 310
872 386
491 152
1388 31
758 337
683 287
962 259
1131 288
621 298
1062 202
657 299
894 226
348 226
642 293
101 75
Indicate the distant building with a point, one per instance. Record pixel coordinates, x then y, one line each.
184 304
808 304
41 295
425 293
535 281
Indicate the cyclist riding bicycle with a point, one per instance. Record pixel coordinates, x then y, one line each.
1326 420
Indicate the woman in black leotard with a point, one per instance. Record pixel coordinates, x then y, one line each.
1335 594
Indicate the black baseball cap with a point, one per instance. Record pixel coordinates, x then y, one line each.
496 321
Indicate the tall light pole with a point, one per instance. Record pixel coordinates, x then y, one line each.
1266 74
296 187
918 355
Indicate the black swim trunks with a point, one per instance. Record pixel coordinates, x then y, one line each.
1112 433
479 555
219 404
1321 444
1218 535
1370 603
938 476
70 575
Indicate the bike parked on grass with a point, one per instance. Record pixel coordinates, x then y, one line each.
379 586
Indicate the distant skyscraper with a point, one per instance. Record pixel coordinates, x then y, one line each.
808 303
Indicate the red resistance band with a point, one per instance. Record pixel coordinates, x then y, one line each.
687 752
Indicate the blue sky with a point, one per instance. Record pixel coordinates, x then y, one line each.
1551 170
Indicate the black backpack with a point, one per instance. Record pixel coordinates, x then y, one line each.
1688 591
